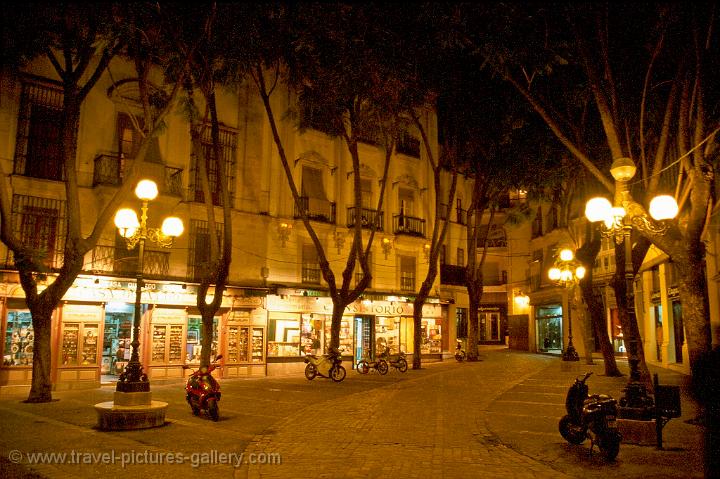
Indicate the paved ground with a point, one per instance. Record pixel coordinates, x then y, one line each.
496 418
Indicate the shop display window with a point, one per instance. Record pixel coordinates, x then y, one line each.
311 337
167 341
431 337
257 345
284 335
79 344
194 338
245 344
387 334
18 350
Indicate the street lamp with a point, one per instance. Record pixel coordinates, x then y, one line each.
567 272
618 222
136 233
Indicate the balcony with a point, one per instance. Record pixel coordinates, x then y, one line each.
408 225
452 275
311 274
368 217
108 259
316 209
111 170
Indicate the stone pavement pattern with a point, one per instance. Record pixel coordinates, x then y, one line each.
496 418
430 426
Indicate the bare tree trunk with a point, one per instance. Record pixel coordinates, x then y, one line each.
587 254
40 390
475 295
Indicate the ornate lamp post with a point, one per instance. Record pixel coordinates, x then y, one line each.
136 233
618 222
567 272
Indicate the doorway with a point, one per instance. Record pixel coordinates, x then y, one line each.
116 340
549 329
364 338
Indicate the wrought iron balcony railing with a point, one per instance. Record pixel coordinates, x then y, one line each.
408 225
316 209
111 170
108 259
368 217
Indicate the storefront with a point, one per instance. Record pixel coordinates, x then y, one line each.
299 325
92 330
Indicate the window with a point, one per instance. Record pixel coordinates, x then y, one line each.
407 202
228 143
129 137
314 200
366 193
460 257
38 151
40 224
199 252
461 218
407 273
310 265
461 322
443 248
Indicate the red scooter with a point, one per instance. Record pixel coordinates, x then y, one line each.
203 391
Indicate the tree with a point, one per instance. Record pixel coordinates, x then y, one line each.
206 72
79 41
646 71
345 63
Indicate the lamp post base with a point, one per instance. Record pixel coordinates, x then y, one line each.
570 354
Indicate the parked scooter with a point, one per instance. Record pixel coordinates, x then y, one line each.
398 361
325 366
459 352
366 364
591 417
203 391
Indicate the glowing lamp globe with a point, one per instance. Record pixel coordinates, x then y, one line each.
623 169
172 226
580 272
597 209
146 190
566 254
554 274
663 207
127 222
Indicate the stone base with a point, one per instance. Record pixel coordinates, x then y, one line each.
641 433
112 417
132 399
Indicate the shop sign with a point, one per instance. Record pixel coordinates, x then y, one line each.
86 289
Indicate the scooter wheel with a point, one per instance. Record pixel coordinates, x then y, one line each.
460 357
195 410
609 446
382 367
310 372
337 373
402 365
213 409
570 432
362 367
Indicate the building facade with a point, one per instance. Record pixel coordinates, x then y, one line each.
276 308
